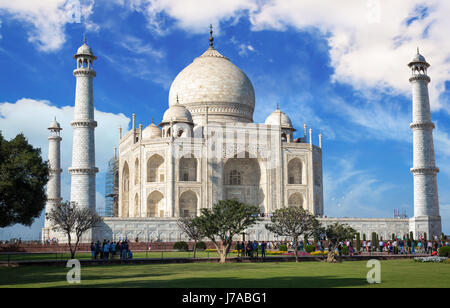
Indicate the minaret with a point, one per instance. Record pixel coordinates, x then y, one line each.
426 202
54 183
83 170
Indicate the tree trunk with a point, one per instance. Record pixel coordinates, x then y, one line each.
195 247
69 239
295 250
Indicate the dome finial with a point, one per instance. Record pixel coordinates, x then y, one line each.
278 106
417 49
177 99
85 41
211 39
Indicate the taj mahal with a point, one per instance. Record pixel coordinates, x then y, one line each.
207 148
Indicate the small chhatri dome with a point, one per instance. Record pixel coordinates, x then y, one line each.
275 117
176 113
418 58
84 50
151 132
54 125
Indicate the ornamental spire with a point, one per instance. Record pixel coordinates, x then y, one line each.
211 39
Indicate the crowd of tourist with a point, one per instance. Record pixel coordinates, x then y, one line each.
251 249
109 250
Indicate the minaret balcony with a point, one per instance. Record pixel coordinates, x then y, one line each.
84 72
83 123
419 77
421 125
424 170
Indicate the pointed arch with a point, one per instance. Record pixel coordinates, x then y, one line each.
155 169
125 190
136 171
188 204
295 171
155 204
137 206
188 168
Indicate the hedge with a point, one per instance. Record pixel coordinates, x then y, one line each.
182 246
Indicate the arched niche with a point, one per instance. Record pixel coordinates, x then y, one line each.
125 190
188 204
188 168
295 171
155 204
155 169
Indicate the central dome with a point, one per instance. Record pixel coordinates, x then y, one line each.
212 81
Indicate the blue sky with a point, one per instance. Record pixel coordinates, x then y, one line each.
342 69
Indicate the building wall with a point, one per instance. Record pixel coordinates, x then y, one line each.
255 151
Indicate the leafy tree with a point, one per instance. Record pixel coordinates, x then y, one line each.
187 225
23 176
336 233
294 221
71 219
224 220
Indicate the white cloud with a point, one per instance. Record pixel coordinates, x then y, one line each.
192 15
48 19
370 41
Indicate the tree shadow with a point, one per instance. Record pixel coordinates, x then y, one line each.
236 282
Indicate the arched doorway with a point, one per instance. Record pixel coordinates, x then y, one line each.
242 180
295 171
188 204
188 168
155 204
155 169
125 190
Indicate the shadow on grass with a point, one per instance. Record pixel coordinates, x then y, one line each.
233 282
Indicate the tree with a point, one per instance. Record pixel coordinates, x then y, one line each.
336 233
293 221
71 219
187 225
224 220
23 176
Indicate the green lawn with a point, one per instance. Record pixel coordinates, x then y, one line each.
394 273
87 255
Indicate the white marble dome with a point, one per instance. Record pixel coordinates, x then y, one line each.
212 81
54 125
177 113
151 132
85 50
274 119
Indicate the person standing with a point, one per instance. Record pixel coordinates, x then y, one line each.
255 248
93 250
263 249
106 250
412 246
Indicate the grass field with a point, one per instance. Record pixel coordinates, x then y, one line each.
87 255
394 273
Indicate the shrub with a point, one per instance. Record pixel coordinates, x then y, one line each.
358 242
283 248
444 251
310 248
200 246
181 246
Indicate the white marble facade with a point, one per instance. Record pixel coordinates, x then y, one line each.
207 148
